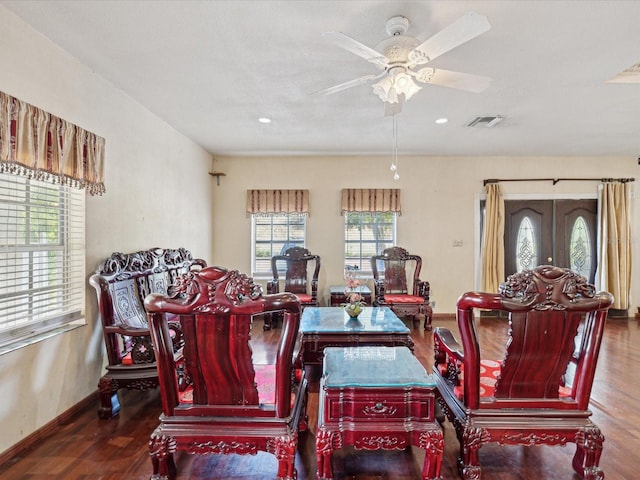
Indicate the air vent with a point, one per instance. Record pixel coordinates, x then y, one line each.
485 121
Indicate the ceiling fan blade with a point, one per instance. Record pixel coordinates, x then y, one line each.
349 84
446 78
462 30
353 46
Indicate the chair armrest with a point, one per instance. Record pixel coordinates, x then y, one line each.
422 288
129 331
378 286
314 290
448 353
273 286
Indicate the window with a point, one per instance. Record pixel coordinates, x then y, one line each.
272 234
42 257
367 234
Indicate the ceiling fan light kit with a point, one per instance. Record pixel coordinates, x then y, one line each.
399 56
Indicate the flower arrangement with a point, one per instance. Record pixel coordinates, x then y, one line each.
355 300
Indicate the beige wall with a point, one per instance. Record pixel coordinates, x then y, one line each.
439 205
158 195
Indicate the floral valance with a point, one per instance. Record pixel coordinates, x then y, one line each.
277 201
371 200
39 145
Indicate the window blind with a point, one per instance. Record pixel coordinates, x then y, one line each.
42 256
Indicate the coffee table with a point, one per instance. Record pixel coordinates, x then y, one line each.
323 327
377 398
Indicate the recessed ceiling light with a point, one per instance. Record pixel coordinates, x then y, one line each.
440 121
264 120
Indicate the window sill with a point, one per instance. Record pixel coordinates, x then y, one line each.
13 345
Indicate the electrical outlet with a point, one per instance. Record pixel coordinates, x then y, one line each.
457 243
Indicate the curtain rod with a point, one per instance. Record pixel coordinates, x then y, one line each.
556 180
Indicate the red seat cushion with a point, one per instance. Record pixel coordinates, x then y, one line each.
402 298
304 298
126 360
489 373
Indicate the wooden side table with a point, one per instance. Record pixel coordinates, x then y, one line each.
338 297
377 398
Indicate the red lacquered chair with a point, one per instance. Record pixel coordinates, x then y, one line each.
232 404
301 271
396 278
538 392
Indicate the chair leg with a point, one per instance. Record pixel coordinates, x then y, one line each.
267 321
324 449
471 439
109 403
428 314
161 450
586 460
285 452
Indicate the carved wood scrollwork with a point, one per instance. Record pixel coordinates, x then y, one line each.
432 441
142 350
530 438
127 265
475 437
222 447
590 438
526 286
384 442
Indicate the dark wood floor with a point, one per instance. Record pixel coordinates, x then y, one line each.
90 448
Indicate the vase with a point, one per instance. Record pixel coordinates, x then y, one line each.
353 309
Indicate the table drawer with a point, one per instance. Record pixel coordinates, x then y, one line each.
379 404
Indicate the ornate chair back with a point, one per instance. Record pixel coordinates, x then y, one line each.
301 272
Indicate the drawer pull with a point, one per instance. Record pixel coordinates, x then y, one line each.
379 409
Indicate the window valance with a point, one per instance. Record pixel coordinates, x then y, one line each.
277 201
39 145
371 200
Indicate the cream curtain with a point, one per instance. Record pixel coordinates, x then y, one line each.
39 145
614 268
261 202
493 239
371 200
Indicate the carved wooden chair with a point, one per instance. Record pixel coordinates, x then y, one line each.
121 283
301 271
396 279
232 404
538 393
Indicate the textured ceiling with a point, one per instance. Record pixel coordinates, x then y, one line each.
211 68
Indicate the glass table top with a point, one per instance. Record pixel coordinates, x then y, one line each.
373 367
335 319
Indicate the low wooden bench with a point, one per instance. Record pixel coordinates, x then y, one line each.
122 282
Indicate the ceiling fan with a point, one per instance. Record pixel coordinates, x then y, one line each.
402 59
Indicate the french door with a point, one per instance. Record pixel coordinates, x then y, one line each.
551 232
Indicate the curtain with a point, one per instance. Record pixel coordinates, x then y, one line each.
493 239
614 234
277 201
38 145
371 200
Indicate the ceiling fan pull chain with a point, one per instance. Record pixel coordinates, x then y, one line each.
394 154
